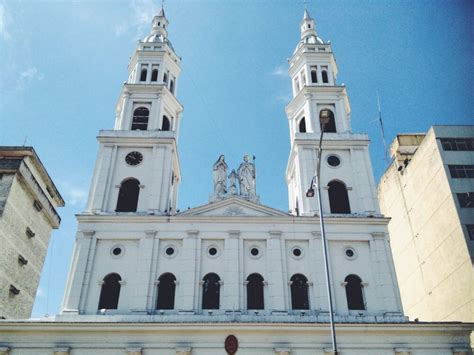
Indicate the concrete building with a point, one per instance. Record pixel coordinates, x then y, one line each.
28 203
428 192
233 274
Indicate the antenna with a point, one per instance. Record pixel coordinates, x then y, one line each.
382 131
24 142
305 2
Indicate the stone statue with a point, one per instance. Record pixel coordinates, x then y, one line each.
233 182
246 173
220 176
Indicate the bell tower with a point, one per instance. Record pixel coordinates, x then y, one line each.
137 168
347 183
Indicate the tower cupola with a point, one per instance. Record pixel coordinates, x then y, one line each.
159 33
308 31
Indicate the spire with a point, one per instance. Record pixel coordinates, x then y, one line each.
159 31
162 12
306 15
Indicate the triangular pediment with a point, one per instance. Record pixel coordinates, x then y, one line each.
233 207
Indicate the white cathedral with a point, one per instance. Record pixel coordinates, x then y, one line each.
232 276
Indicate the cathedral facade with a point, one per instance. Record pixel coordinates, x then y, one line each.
233 275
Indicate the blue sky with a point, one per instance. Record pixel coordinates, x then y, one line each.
62 64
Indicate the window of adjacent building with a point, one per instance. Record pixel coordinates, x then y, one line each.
110 292
314 75
338 197
329 127
457 144
466 199
324 75
128 196
140 119
154 73
299 292
143 72
255 292
211 291
166 124
470 231
302 125
461 171
354 295
166 291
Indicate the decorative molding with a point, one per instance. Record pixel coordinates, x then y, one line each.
192 233
151 233
4 350
134 351
88 233
183 351
461 351
378 235
344 283
61 351
122 282
402 351
275 234
234 233
282 351
316 234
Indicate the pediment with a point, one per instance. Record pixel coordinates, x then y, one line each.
234 207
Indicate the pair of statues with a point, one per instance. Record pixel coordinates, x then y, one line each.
244 177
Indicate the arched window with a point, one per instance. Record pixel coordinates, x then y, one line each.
255 292
166 291
140 119
143 75
338 197
331 125
172 86
314 76
110 292
299 292
354 295
166 124
128 196
302 125
324 74
165 78
154 75
210 291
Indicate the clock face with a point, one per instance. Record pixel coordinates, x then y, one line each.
134 158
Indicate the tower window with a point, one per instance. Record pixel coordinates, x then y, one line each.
154 74
165 78
299 292
143 73
166 124
324 74
140 119
297 85
338 197
110 292
166 291
329 127
211 291
302 125
172 86
255 292
128 196
354 295
314 75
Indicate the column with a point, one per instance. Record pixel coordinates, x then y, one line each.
232 272
319 299
154 119
188 278
142 283
276 283
153 188
75 280
88 270
99 183
122 120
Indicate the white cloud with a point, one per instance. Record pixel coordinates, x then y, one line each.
280 70
74 195
5 20
284 98
40 292
27 77
143 12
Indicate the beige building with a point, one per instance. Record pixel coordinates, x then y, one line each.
28 203
428 192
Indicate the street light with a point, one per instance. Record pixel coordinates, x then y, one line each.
315 182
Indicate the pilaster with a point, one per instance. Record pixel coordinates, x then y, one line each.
232 271
189 277
275 273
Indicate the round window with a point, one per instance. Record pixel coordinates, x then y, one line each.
333 160
212 251
297 252
117 251
169 251
350 253
254 251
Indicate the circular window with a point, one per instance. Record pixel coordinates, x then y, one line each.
254 251
169 251
333 160
117 251
134 158
350 253
212 251
297 252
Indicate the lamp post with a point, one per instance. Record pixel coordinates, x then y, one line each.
315 183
